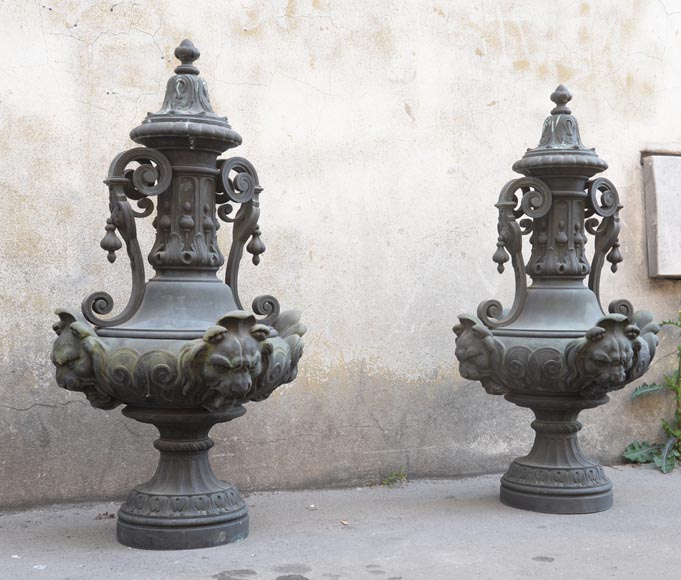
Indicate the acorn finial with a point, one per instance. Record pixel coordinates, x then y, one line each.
561 97
187 53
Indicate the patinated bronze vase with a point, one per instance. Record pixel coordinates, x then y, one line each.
555 350
183 354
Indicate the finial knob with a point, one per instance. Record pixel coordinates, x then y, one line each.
187 53
561 97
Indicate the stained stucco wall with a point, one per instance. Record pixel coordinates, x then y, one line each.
382 132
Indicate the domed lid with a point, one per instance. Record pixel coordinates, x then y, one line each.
560 147
186 118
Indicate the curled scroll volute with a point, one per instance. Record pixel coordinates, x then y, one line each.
152 177
535 203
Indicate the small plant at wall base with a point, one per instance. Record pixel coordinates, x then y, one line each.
665 455
395 478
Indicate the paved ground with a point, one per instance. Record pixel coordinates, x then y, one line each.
426 530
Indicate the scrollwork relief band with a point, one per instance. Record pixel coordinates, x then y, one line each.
614 352
579 477
203 505
239 359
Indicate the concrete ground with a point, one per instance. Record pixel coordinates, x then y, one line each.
425 530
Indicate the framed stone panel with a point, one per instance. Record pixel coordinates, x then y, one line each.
662 186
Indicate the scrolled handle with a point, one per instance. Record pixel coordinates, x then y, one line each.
605 200
243 186
146 179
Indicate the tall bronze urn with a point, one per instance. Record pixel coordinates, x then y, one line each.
183 354
555 350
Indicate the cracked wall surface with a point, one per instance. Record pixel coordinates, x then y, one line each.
382 133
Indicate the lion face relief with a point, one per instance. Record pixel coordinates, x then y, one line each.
76 353
229 360
479 353
74 363
601 361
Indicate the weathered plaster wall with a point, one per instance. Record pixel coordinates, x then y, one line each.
382 133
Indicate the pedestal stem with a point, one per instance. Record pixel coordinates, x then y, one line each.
184 505
556 477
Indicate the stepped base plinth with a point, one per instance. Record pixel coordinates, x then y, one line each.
184 505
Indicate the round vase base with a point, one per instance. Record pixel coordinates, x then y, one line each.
179 537
548 501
